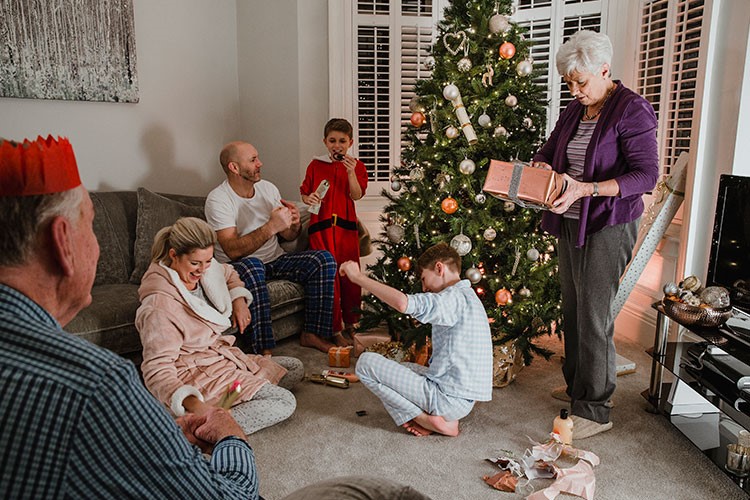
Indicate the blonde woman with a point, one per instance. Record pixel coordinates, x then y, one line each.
187 300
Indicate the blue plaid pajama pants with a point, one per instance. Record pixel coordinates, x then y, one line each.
405 390
315 270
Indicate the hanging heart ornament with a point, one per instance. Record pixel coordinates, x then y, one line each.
450 40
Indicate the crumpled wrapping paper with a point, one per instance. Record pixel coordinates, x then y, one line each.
578 480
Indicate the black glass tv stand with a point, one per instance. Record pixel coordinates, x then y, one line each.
705 361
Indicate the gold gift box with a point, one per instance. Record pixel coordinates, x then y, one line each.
523 184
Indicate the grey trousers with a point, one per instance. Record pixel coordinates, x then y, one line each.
589 278
357 488
272 403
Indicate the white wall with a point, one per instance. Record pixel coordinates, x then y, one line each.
169 141
283 70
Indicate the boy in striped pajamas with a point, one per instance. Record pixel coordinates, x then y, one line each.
431 399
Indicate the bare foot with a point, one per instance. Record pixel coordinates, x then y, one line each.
266 352
307 339
437 424
340 340
416 429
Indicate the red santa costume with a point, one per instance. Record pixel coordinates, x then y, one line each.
334 228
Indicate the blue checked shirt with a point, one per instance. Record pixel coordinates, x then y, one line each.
461 363
76 422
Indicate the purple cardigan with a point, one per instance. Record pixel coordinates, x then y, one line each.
623 147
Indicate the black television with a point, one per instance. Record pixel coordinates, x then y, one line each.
729 261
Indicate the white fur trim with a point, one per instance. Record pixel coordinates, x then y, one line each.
215 288
241 291
324 158
179 396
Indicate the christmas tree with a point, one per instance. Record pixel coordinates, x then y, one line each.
480 104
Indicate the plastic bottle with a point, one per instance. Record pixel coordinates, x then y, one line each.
563 427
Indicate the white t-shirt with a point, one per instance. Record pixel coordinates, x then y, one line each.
224 209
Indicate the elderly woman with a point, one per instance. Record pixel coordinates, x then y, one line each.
187 300
604 144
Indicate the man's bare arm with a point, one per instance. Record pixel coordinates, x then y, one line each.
236 246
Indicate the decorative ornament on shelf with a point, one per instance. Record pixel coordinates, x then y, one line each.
500 131
484 120
511 101
524 68
499 24
404 263
487 76
395 233
451 132
474 275
489 234
461 244
417 119
532 254
467 166
429 63
509 206
480 198
396 185
503 297
524 292
454 42
507 50
449 205
416 174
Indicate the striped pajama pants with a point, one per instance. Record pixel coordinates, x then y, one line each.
405 390
315 270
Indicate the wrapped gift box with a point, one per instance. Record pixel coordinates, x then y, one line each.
364 340
523 184
338 357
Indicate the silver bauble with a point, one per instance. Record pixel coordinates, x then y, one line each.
451 132
715 296
464 64
524 68
489 234
509 206
671 288
461 244
484 120
480 198
511 101
499 24
474 275
416 174
467 166
500 131
395 233
528 123
524 292
396 185
416 106
450 92
532 254
429 63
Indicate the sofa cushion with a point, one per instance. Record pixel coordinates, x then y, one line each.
155 212
111 229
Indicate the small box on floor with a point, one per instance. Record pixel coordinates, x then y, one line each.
523 184
338 357
364 340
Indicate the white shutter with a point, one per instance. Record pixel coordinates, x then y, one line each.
572 24
416 7
415 42
373 6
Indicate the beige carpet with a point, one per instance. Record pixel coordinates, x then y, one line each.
643 456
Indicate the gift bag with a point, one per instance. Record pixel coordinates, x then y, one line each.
507 361
364 340
338 357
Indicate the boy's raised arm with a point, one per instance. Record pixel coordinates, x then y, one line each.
394 298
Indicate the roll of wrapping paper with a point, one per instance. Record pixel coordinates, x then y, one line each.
463 119
233 392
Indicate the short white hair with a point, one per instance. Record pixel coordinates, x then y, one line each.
584 52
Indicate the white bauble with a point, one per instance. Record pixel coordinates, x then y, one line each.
464 64
467 166
511 101
500 131
524 292
524 68
462 244
499 24
396 185
484 120
489 234
532 254
395 233
474 275
450 92
509 206
528 123
451 132
480 198
429 63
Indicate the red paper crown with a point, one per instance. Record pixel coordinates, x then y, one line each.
44 166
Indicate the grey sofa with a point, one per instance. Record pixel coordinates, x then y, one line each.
125 223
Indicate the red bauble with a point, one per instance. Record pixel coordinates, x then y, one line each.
507 50
404 263
449 205
417 119
503 297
